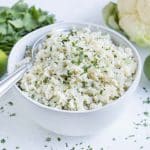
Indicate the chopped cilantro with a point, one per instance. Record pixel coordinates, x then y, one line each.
85 68
59 139
3 141
12 115
17 147
81 56
10 103
131 135
141 147
66 144
84 84
48 139
147 101
146 113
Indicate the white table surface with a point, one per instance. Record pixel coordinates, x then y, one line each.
20 131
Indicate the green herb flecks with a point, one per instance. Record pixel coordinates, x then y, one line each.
81 57
85 68
10 103
147 101
17 147
146 113
58 139
3 141
12 115
48 139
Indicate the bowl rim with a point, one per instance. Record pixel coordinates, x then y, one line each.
130 89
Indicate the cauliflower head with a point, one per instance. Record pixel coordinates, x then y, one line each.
134 20
130 17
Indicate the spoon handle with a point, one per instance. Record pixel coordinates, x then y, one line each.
12 78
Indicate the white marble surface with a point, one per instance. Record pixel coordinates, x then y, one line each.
20 131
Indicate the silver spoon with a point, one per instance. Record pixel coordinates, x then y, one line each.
11 79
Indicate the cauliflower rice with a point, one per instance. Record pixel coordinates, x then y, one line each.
79 70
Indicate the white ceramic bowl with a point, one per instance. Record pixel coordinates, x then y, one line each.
72 123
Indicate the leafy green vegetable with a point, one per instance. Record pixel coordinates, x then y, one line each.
18 23
19 20
3 62
147 67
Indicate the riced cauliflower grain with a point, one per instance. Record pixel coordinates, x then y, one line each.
79 70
